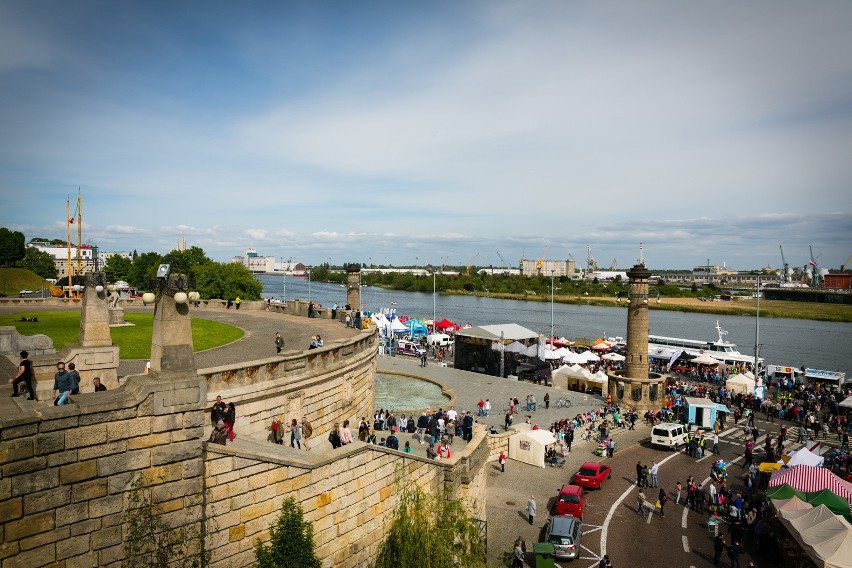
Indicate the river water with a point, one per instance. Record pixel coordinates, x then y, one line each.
793 342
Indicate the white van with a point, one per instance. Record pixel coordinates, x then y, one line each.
668 435
439 340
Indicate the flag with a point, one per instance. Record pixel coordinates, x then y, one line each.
675 355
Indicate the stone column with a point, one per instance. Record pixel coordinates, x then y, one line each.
171 341
94 318
636 364
353 286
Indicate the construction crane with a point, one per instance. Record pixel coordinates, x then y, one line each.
813 268
503 260
846 264
591 265
614 265
472 260
540 262
785 268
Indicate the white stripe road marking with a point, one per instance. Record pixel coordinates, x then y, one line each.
611 513
593 557
728 431
685 544
591 531
650 514
683 518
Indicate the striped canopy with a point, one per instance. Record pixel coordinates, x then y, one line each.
809 478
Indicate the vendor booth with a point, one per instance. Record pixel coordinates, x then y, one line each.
480 349
529 447
740 384
702 412
825 537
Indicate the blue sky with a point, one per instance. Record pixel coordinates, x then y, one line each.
410 132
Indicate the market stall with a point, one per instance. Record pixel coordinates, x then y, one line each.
530 446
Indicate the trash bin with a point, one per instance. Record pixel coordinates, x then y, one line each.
713 526
544 557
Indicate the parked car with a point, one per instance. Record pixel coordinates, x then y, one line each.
591 475
439 340
409 348
668 435
570 501
563 532
25 292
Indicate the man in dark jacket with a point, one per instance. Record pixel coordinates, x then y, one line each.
718 548
392 442
422 424
25 375
218 411
468 426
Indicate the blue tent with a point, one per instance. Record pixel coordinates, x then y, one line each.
417 328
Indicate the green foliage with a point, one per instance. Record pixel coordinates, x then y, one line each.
186 261
134 342
430 530
226 280
39 262
13 280
150 542
291 543
144 269
118 268
11 246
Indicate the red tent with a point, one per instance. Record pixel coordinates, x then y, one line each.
810 478
446 324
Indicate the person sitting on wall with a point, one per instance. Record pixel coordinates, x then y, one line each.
99 387
217 413
392 442
219 435
431 453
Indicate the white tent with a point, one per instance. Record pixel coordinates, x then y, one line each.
382 324
804 456
589 357
791 504
740 384
614 357
398 327
573 358
824 536
847 402
705 359
529 447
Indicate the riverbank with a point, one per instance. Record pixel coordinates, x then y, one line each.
740 307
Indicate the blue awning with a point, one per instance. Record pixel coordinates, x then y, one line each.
722 408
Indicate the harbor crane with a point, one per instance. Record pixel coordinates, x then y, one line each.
846 264
540 262
503 260
472 260
785 268
591 265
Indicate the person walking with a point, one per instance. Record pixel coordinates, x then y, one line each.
62 385
653 471
718 548
678 489
610 448
307 431
640 504
279 342
295 434
25 375
662 498
531 508
546 400
734 552
716 443
502 460
638 474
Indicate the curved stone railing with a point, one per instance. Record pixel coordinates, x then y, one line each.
331 384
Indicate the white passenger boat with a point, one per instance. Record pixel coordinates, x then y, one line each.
720 349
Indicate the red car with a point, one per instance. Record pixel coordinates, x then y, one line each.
591 475
570 501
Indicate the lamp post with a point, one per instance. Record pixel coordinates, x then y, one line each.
551 309
309 284
433 296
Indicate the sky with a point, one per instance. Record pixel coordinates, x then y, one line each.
422 133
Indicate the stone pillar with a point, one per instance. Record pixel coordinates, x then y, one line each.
636 364
94 318
353 286
171 341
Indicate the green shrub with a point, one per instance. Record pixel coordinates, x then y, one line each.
292 541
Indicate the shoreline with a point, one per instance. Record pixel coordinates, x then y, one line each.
835 313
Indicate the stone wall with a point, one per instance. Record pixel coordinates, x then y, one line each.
66 470
348 494
12 343
330 384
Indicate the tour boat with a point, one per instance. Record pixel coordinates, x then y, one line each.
720 349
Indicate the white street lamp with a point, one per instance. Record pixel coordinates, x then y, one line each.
551 309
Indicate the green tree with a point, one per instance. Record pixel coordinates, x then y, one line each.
11 246
144 268
227 280
118 267
430 530
291 543
39 262
150 542
186 261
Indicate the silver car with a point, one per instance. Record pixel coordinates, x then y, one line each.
563 532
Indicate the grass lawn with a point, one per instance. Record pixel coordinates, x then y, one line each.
135 342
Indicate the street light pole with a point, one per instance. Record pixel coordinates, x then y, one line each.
551 309
433 296
309 284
